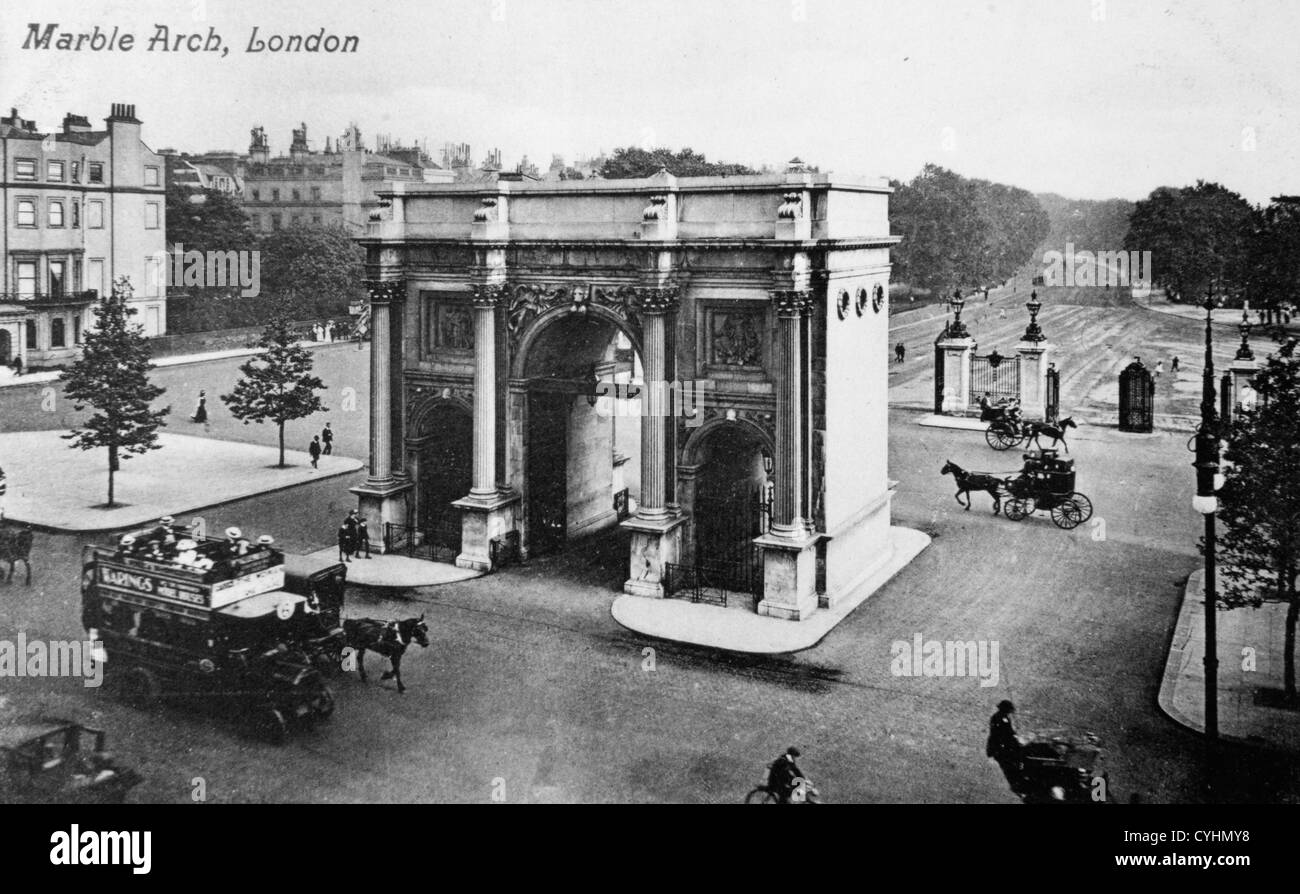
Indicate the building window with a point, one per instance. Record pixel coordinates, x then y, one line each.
315 193
57 280
275 195
96 172
57 335
33 343
150 175
76 214
295 220
76 172
26 213
26 279
95 215
275 221
297 196
56 213
76 330
257 195
24 169
315 219
54 171
151 215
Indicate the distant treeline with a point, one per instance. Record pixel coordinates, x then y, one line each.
1087 225
962 233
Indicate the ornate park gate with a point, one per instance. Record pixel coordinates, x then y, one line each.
938 372
995 374
727 561
1137 393
1052 410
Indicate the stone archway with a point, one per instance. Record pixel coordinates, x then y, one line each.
565 433
727 492
441 457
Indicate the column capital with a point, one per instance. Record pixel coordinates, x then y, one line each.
488 296
792 302
658 300
385 291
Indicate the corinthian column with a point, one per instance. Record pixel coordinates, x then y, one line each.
787 516
486 300
657 305
382 295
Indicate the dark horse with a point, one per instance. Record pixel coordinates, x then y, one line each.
1055 432
388 638
16 546
975 481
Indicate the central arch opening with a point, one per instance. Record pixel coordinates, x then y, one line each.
582 436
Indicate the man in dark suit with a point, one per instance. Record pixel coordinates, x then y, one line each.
784 774
363 538
347 542
314 450
327 438
1004 745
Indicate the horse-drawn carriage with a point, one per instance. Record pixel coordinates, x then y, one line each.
1063 767
1046 482
1006 428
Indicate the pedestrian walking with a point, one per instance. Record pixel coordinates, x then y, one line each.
1004 746
1160 367
1002 314
1173 365
314 449
201 410
327 438
363 538
347 543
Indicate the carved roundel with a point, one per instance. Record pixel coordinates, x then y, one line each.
842 305
877 298
860 304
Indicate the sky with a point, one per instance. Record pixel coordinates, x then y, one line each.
1087 98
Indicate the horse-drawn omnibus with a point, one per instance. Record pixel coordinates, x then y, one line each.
214 623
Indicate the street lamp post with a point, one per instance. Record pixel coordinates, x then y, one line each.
1205 502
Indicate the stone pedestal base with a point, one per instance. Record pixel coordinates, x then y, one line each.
481 522
382 502
789 576
1032 357
655 543
1243 395
956 354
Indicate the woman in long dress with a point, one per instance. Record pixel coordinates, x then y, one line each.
201 411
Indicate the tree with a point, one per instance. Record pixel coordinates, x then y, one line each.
112 376
207 220
1259 504
1198 238
313 271
1274 254
277 385
631 162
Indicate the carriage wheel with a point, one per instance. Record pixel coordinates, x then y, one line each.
1018 508
761 795
270 725
1000 439
1067 514
1084 506
140 688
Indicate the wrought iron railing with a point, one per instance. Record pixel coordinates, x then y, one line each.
40 298
437 542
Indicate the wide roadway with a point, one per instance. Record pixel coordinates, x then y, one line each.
531 692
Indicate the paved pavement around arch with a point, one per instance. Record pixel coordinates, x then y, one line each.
1251 659
55 486
382 571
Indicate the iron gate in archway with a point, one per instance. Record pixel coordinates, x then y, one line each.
1137 398
996 375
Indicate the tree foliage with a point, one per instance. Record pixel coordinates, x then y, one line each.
313 271
1198 237
630 162
277 384
957 231
1259 504
112 376
207 220
1274 253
